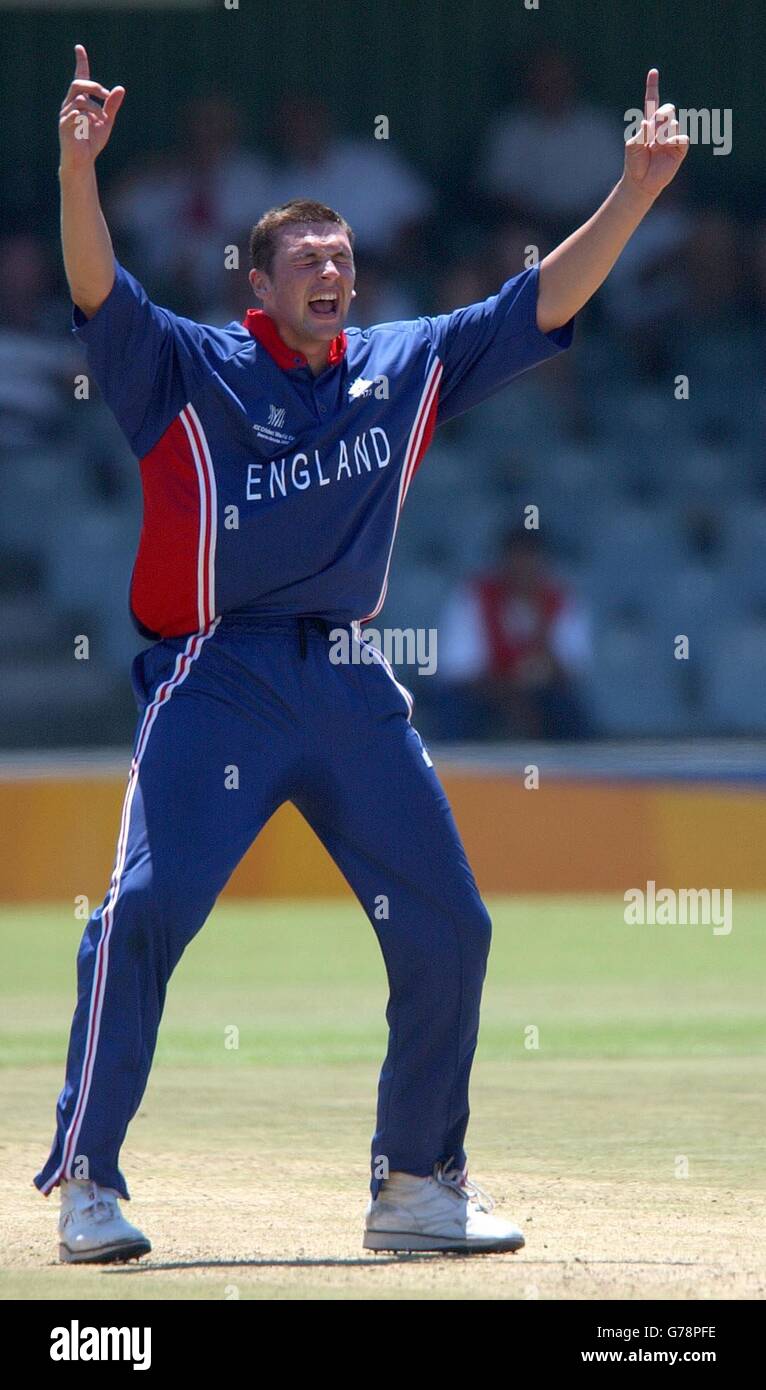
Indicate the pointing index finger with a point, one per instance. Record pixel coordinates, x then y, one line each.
82 66
652 97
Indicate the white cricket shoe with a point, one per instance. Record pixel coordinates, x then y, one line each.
443 1212
92 1229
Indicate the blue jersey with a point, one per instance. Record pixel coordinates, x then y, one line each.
266 487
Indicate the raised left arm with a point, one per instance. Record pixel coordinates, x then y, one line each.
575 270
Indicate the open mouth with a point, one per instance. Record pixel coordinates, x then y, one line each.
324 305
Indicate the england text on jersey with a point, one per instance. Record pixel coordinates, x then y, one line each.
365 452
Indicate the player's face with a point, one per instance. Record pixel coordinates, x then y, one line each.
312 278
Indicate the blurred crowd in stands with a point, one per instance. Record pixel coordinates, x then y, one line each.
641 449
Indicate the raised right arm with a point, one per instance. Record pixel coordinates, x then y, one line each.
84 129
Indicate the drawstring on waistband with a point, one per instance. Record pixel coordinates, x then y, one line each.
306 621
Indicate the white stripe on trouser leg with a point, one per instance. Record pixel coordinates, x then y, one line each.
377 656
184 663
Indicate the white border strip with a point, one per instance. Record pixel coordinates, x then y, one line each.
413 448
208 514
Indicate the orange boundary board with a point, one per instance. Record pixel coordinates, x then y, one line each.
59 837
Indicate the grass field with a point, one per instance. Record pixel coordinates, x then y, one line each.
248 1165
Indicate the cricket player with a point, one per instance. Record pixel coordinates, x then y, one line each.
276 455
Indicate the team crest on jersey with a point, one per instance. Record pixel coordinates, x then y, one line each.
273 432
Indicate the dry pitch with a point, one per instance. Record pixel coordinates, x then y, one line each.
248 1165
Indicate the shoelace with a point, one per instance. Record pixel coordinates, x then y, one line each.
103 1208
463 1185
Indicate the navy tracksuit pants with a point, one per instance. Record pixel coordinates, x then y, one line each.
263 696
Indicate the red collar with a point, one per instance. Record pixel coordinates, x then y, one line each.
263 327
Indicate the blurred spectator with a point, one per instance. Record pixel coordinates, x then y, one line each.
511 249
703 532
380 297
376 190
509 252
512 643
467 281
553 157
37 362
760 273
715 344
645 291
712 271
180 209
231 296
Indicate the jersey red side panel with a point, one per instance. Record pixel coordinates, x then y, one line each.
171 590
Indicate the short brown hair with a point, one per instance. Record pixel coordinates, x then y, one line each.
299 211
